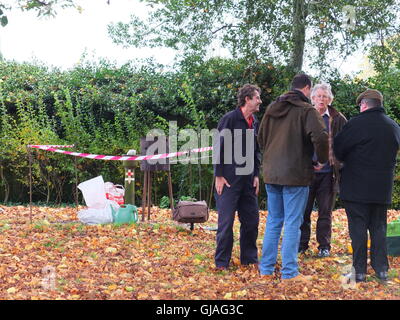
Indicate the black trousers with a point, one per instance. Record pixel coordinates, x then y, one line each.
239 197
321 190
363 217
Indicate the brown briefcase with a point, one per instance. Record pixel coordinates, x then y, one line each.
191 212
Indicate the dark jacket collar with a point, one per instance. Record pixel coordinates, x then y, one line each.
239 115
286 102
376 109
293 96
302 96
369 111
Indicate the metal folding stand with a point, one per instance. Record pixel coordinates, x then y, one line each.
146 199
147 193
148 168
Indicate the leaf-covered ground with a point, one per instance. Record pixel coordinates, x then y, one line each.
56 257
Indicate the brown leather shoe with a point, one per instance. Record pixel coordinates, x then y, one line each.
298 278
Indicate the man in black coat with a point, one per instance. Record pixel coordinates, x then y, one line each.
237 165
367 146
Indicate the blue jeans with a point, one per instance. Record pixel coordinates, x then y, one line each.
286 205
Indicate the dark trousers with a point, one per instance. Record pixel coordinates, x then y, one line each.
239 197
321 190
363 217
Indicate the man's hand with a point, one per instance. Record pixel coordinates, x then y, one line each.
219 184
319 166
256 184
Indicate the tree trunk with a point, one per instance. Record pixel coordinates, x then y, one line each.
5 183
298 35
48 192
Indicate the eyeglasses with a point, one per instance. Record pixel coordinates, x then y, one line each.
322 97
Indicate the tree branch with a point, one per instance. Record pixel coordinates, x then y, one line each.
223 27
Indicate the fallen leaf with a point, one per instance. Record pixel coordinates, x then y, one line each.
241 293
111 250
228 295
11 290
112 287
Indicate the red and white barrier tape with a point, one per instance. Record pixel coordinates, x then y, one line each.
121 158
52 146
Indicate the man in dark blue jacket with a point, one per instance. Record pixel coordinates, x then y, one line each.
367 146
237 161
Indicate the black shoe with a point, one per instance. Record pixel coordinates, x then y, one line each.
323 253
222 268
361 277
382 276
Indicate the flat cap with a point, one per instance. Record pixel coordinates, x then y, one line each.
370 94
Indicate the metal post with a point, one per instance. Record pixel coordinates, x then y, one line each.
129 166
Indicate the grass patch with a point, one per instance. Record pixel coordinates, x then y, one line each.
5 225
181 229
202 269
93 255
200 257
393 273
53 243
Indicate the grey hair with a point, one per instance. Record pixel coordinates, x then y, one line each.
323 86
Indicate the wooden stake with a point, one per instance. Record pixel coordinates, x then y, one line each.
171 195
144 200
76 183
30 183
199 165
149 195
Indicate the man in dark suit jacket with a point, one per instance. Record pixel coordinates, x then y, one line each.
367 146
237 165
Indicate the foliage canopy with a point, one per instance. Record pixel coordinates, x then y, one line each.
287 31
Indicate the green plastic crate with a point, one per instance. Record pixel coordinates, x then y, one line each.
393 246
393 229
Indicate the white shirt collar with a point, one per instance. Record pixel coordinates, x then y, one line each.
326 112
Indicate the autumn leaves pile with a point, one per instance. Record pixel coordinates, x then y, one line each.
57 257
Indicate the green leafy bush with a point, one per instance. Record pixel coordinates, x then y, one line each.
104 109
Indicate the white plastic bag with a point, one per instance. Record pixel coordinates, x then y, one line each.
94 193
98 216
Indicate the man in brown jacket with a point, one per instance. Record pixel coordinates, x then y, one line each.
290 131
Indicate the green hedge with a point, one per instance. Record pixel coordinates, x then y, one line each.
105 109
